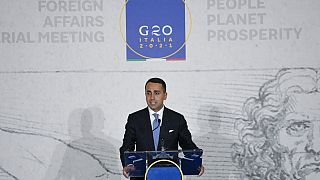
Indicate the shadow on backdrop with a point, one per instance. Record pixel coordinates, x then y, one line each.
216 145
89 155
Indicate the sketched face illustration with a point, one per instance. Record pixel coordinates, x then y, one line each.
280 131
300 135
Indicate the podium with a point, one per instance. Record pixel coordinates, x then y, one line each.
158 165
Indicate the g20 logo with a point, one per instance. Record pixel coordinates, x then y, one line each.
155 36
155 30
161 34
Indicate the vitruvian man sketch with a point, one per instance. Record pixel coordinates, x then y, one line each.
279 133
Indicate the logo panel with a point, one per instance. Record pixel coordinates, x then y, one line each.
155 29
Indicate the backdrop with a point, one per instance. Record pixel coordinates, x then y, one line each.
66 87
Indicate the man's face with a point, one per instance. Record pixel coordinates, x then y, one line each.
300 136
155 95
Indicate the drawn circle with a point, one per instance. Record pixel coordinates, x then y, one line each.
147 57
163 160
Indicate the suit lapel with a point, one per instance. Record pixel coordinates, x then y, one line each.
164 127
148 127
148 130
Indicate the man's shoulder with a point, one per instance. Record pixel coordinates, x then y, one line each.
172 112
139 112
140 115
166 111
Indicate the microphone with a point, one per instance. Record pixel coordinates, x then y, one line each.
159 121
162 145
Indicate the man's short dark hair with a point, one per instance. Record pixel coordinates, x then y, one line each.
159 81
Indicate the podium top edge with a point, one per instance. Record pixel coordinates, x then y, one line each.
172 151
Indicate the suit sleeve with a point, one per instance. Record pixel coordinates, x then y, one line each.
129 138
185 138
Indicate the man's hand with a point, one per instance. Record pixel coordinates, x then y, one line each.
201 168
126 170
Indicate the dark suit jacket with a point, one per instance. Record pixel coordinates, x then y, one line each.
138 134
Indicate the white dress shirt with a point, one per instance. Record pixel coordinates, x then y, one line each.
160 113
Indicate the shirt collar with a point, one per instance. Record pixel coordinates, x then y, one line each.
160 113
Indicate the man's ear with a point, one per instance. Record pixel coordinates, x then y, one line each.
165 96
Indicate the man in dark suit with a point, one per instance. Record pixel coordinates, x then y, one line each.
156 120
